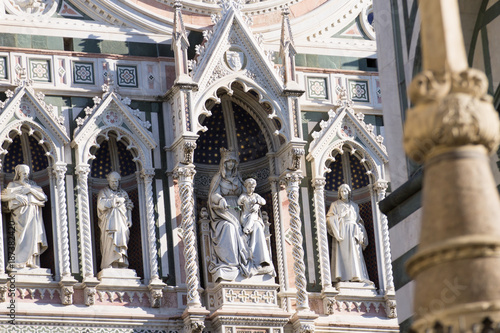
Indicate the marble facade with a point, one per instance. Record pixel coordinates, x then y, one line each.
109 101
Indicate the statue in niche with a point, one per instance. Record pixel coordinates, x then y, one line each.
114 210
253 229
230 253
25 200
349 239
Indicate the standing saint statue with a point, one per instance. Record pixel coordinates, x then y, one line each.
230 254
253 228
25 200
349 239
114 210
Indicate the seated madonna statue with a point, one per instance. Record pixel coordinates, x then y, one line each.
230 254
25 201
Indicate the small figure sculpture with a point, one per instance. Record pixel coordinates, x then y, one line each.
230 253
114 210
350 239
253 228
25 201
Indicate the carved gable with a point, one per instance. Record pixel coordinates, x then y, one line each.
345 126
232 53
24 108
112 114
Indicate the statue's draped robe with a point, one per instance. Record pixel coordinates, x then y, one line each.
230 253
114 222
256 239
349 241
31 240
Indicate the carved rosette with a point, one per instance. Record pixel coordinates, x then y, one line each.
320 210
452 110
59 171
292 182
185 176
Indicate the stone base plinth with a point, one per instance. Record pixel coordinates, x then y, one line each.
249 306
123 277
32 275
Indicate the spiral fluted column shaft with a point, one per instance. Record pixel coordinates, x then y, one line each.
292 181
277 234
147 176
60 173
83 193
185 177
319 204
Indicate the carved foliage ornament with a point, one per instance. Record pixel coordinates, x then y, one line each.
31 7
452 109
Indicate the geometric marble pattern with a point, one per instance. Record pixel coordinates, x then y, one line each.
83 72
127 76
3 68
317 88
358 90
39 70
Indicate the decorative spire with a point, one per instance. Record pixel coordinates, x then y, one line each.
180 44
287 51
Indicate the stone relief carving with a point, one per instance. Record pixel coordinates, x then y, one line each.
239 245
350 239
31 7
24 201
114 210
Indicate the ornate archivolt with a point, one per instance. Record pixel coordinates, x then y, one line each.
346 132
112 116
232 53
25 112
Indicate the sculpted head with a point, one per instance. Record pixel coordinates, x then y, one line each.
114 180
22 171
250 184
345 192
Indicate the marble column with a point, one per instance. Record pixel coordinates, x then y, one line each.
155 285
320 212
451 129
67 281
194 315
303 318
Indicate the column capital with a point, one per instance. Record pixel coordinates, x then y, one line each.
318 183
59 169
184 173
291 179
147 173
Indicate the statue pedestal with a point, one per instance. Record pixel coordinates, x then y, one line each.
123 277
356 289
235 302
32 275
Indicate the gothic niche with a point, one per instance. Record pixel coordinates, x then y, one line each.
232 151
347 169
112 156
25 149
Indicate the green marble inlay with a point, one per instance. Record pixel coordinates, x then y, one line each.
399 269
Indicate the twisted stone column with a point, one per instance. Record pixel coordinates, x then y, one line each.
59 171
451 129
67 281
292 182
320 211
147 177
185 176
82 172
279 240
